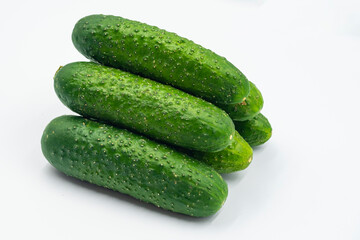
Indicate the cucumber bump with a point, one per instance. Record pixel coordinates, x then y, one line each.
156 110
248 108
126 162
237 156
159 55
255 131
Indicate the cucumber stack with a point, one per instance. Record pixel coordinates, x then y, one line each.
161 116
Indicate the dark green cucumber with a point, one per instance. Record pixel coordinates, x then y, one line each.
132 164
255 131
142 105
161 56
248 108
237 156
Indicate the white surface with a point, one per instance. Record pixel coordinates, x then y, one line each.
303 184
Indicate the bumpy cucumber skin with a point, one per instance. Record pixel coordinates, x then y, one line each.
123 161
159 55
255 131
248 108
148 107
237 156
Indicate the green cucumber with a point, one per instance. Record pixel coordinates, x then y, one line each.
132 164
248 108
156 110
237 156
161 56
255 131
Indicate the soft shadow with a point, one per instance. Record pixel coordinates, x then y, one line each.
259 148
51 171
234 177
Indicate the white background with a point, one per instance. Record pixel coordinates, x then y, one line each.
303 184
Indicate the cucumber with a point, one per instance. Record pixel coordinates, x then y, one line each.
156 110
255 131
161 56
132 164
237 156
248 108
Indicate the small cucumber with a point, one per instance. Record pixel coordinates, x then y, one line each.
255 131
142 105
123 161
248 108
237 156
161 56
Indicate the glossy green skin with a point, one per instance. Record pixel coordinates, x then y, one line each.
237 156
255 131
142 105
159 55
248 108
132 164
